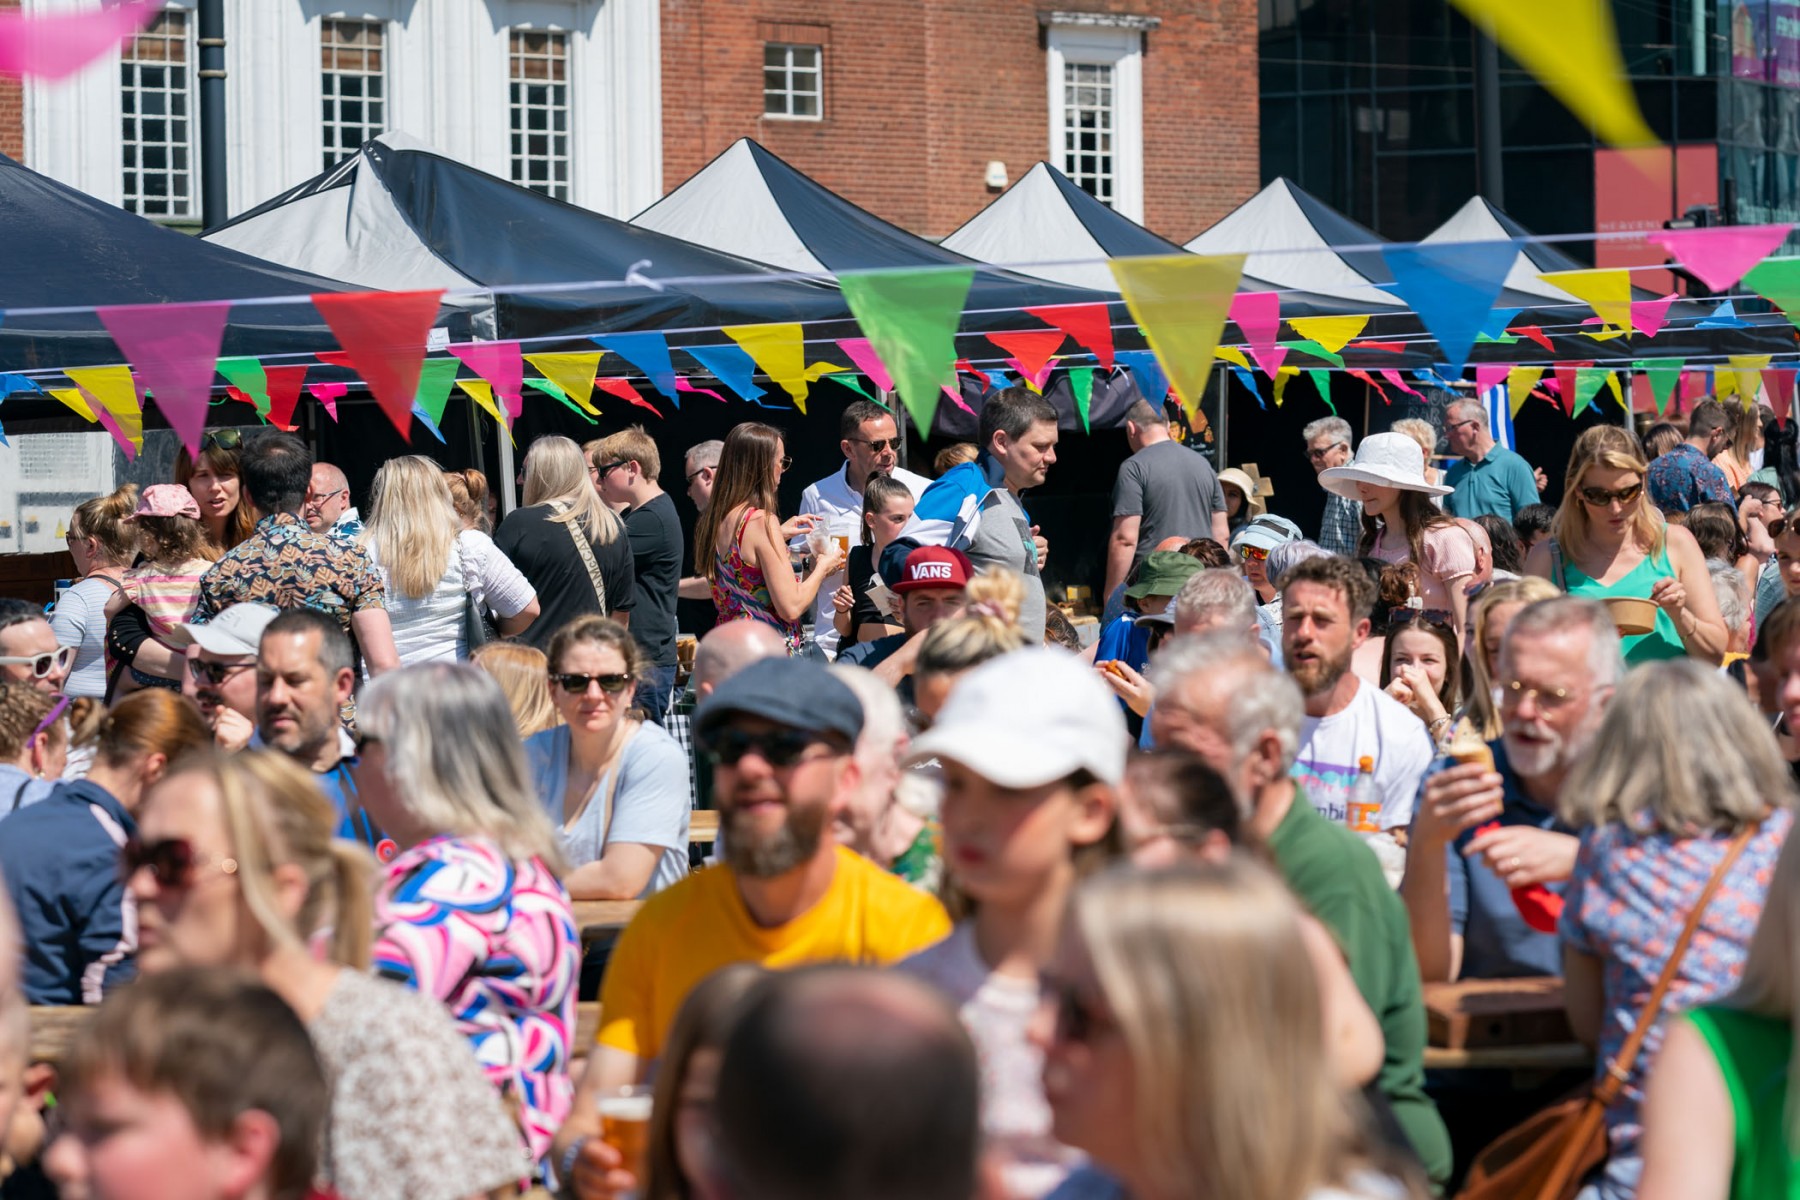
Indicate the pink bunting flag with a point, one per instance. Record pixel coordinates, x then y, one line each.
1393 377
623 390
1779 382
501 364
1258 316
1271 361
284 393
863 354
173 348
327 394
111 424
955 397
55 45
682 385
1489 375
1649 316
1721 255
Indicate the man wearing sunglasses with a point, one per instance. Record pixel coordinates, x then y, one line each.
221 671
780 735
1687 475
1327 446
871 444
28 649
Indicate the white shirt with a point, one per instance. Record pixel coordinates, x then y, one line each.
1374 725
841 505
432 626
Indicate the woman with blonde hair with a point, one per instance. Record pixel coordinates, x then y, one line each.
471 910
215 480
103 545
614 784
1184 1041
1489 617
1609 542
522 672
235 867
987 627
470 496
1683 797
570 546
438 575
741 543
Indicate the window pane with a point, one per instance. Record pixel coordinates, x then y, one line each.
350 80
793 80
155 159
539 104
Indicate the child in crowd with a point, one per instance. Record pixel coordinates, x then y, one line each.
887 507
165 584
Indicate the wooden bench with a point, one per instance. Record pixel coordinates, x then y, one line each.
703 826
1500 1024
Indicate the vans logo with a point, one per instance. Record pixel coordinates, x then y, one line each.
934 570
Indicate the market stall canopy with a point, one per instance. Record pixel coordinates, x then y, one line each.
399 216
67 249
749 202
1480 221
1297 241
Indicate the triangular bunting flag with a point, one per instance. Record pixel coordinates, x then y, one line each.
730 365
623 389
1081 386
682 385
1780 383
1749 368
1393 377
247 376
648 352
1031 351
1649 316
74 399
1489 375
1494 328
1573 50
1776 280
1089 324
1271 362
127 431
573 373
910 320
1249 381
1519 382
501 364
1322 381
431 426
780 350
1333 333
482 393
1258 317
328 395
1452 286
561 397
867 361
173 347
384 333
1278 386
1370 380
1664 374
437 377
849 381
1232 355
1384 347
1719 256
1537 335
1725 316
1612 385
1567 382
1181 301
1588 382
284 393
1152 383
1607 292
113 397
1307 346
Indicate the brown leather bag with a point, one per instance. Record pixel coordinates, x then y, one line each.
1547 1156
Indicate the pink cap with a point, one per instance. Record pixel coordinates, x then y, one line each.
166 500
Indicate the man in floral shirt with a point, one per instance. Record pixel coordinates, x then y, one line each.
288 565
1686 475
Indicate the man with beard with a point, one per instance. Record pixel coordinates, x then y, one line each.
780 734
221 671
1325 606
304 674
1479 833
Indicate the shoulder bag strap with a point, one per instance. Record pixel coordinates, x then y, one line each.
19 793
587 558
1620 1067
612 787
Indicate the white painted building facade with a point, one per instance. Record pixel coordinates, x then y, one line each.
562 95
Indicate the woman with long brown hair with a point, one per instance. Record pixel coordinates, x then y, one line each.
741 543
216 482
1609 542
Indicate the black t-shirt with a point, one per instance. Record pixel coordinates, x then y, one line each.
545 553
655 531
860 570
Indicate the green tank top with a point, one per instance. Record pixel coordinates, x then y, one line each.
1752 1052
1664 641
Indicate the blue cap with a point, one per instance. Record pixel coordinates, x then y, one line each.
795 692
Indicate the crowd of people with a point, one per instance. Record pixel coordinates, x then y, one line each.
302 798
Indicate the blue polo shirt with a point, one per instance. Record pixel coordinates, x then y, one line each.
1497 943
1500 484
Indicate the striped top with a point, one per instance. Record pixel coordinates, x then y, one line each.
168 595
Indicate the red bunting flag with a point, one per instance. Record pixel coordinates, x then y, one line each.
384 334
1779 381
1370 380
1389 347
284 393
1031 350
963 364
1568 376
1535 334
623 390
1089 324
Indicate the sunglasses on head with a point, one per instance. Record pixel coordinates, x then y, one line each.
56 710
1601 497
578 685
777 747
1076 1020
222 439
1253 553
1431 616
43 664
880 444
172 862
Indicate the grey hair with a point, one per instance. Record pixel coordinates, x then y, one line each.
1336 428
1471 410
1734 594
1288 555
1657 762
1218 596
1263 700
884 724
1606 661
454 757
704 454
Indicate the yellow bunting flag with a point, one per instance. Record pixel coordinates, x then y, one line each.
1607 292
1333 333
573 373
112 388
1725 383
75 400
780 350
1282 375
482 393
1573 49
1612 384
1519 382
1234 356
1181 302
1749 368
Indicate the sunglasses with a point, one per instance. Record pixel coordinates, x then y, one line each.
222 439
880 444
1600 497
1431 616
172 862
1253 553
780 748
317 498
577 685
56 710
213 674
1076 1020
1316 455
43 664
1512 694
603 469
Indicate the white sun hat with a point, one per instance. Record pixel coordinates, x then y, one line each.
1385 460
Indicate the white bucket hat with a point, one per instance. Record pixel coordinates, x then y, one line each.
1385 460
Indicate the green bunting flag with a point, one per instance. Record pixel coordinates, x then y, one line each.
437 377
246 375
1588 382
550 389
1322 381
849 381
1081 383
1665 374
910 318
1777 280
1314 349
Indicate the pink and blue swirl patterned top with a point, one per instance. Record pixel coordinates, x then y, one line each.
495 940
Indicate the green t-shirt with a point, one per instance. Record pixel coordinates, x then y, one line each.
1752 1052
1339 880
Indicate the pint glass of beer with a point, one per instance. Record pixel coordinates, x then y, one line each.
625 1126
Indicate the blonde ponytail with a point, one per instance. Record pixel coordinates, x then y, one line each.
352 889
987 627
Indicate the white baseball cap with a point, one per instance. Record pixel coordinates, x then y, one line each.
1029 718
236 631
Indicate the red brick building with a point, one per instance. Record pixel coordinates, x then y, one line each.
902 106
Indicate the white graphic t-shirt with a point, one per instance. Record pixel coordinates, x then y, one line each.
1376 726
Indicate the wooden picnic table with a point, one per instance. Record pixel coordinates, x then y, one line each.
1501 1024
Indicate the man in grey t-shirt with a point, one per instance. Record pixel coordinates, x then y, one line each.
1164 490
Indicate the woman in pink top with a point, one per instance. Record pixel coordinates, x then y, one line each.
166 582
1400 523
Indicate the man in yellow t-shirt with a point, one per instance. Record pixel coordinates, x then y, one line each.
780 733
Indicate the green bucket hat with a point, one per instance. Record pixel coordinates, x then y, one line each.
1163 573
